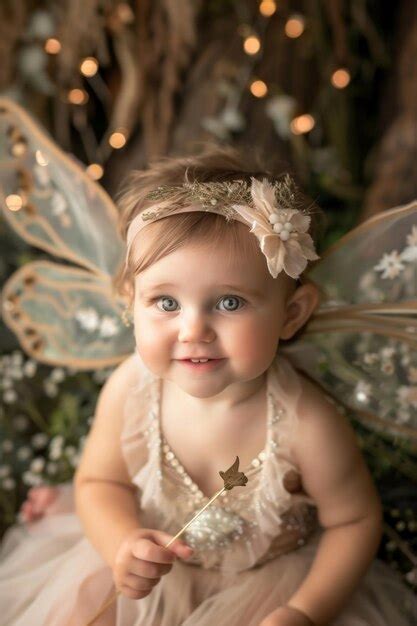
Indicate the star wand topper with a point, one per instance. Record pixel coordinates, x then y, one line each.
231 478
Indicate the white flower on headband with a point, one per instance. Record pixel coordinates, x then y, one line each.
281 232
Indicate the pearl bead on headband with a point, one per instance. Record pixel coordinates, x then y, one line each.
269 208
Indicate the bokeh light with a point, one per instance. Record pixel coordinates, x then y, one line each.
118 139
302 124
267 8
77 96
252 45
14 202
258 88
95 171
295 26
89 67
52 46
340 78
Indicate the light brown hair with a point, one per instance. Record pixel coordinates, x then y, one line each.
171 232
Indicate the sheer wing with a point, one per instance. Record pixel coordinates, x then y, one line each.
65 315
61 209
360 345
61 314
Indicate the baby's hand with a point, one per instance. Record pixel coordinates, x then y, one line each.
141 560
286 616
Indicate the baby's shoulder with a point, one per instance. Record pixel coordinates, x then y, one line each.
320 422
123 377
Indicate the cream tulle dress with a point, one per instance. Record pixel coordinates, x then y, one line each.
253 547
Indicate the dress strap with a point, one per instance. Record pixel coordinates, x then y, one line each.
136 434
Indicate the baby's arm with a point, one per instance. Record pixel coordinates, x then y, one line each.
105 498
107 503
335 475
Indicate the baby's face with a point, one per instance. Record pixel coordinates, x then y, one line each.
200 302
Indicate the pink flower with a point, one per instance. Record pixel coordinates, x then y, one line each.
281 232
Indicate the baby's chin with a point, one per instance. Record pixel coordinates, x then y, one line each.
205 386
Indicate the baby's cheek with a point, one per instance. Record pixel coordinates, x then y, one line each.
255 345
152 346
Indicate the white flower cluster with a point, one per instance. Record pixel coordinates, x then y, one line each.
90 321
13 368
392 263
50 383
404 397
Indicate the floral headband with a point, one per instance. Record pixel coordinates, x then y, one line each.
267 207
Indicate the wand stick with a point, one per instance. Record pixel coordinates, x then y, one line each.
231 478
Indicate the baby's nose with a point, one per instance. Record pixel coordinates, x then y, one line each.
195 328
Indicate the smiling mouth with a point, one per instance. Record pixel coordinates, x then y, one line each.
201 365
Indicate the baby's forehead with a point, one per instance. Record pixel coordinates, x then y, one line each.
200 267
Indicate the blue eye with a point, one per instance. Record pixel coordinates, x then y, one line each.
229 302
171 303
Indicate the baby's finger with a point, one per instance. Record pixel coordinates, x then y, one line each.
146 569
179 547
133 594
147 550
139 583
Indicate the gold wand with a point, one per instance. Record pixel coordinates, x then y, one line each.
231 478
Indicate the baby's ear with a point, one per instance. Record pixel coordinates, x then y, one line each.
300 306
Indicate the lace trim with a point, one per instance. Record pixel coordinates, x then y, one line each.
275 413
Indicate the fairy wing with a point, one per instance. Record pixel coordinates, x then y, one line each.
61 314
360 345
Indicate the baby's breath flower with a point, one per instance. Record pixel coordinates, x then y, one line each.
57 375
7 445
20 422
50 388
24 453
4 471
39 440
29 478
10 396
55 453
29 368
16 373
70 451
8 484
75 459
57 441
51 468
37 464
17 358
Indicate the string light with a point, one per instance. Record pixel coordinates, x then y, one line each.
302 124
258 88
14 202
95 171
52 46
77 96
340 78
295 26
267 8
89 67
118 139
252 45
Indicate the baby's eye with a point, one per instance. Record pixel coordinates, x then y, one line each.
231 303
168 303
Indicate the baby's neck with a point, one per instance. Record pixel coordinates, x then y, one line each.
233 399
